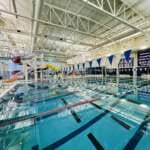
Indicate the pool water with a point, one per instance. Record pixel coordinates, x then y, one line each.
79 114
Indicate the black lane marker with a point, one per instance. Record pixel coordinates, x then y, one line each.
123 124
138 135
52 98
76 132
95 105
36 147
76 117
64 101
95 142
74 114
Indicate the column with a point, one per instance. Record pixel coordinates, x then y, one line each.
26 72
35 69
135 65
41 72
1 69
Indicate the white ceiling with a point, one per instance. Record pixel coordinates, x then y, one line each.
68 28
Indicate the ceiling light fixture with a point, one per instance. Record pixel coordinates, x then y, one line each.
69 41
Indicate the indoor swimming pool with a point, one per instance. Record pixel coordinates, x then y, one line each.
77 114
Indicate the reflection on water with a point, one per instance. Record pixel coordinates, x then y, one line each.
30 107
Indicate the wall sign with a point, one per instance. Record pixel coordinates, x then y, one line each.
144 58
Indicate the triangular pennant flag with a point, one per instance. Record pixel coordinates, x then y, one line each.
78 66
127 55
99 61
90 62
83 65
110 58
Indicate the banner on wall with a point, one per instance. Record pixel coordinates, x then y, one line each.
110 58
127 55
99 61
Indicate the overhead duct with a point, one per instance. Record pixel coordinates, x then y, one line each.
38 5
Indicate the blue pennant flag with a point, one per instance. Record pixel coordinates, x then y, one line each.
127 55
99 61
78 66
110 58
83 65
90 62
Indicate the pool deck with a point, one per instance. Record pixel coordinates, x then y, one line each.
6 88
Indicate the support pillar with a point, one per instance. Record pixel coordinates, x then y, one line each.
35 69
1 69
41 72
135 65
26 72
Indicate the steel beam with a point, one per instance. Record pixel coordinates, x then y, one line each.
111 14
14 7
49 23
77 21
48 37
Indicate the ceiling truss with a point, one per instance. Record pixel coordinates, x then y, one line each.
73 21
123 13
